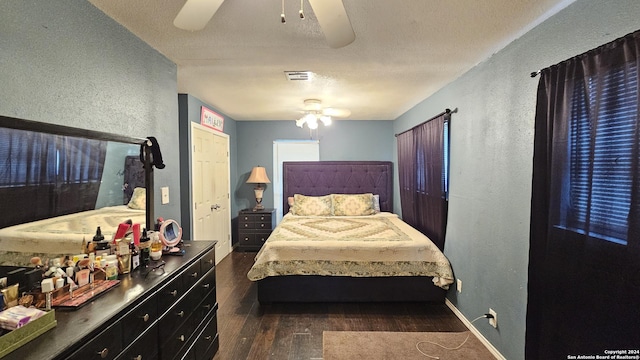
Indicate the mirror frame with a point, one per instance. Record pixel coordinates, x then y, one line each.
36 126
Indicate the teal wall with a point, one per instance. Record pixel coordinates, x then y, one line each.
342 140
66 62
491 161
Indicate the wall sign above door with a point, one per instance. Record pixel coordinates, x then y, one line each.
211 119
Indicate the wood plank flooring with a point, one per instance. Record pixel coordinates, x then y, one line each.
249 330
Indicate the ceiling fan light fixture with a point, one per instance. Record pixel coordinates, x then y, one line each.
326 120
312 124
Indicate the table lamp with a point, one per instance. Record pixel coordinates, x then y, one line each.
258 176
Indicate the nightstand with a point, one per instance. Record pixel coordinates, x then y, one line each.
254 227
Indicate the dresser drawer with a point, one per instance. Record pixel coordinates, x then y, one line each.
207 284
140 318
169 294
207 306
208 261
145 348
174 344
191 275
178 315
106 345
207 342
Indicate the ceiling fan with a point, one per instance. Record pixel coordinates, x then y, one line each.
314 112
331 15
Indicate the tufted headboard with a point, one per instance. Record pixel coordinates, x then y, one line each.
316 178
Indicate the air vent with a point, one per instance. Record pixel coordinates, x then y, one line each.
298 75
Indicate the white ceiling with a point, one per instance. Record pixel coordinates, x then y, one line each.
405 50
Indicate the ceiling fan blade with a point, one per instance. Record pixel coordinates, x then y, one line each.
334 22
336 112
195 14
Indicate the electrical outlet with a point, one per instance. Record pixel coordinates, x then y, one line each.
493 322
459 285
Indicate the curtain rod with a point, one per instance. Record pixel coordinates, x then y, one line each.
592 51
447 112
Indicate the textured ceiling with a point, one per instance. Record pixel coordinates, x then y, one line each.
405 50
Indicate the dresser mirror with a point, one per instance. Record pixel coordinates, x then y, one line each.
59 183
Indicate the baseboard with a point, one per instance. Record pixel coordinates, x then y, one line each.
475 331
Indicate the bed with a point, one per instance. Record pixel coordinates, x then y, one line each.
322 256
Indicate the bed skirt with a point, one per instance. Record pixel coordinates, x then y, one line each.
312 288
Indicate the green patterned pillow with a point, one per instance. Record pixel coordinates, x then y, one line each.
311 205
352 205
138 199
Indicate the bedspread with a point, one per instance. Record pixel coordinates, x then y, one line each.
358 246
64 234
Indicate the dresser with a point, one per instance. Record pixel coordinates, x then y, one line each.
168 313
254 227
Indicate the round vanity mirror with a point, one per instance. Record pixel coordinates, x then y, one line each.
170 233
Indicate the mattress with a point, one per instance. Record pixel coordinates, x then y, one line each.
65 234
357 246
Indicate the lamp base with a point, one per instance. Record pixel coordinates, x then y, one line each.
258 207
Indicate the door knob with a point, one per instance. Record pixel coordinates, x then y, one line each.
215 207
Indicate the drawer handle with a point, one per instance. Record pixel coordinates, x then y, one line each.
194 275
139 357
206 286
173 293
208 337
246 239
246 225
207 307
145 317
103 354
261 225
181 338
180 314
210 261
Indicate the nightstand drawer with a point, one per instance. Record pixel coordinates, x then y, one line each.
256 225
254 238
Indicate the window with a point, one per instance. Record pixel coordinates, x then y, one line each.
602 134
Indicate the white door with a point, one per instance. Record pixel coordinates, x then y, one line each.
210 188
289 150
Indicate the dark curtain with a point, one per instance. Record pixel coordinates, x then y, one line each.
45 175
584 258
421 168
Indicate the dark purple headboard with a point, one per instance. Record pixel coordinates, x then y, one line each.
316 178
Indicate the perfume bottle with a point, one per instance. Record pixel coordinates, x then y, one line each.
156 246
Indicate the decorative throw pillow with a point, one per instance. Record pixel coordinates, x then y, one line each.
138 199
376 203
352 204
311 205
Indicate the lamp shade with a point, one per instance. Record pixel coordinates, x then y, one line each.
258 176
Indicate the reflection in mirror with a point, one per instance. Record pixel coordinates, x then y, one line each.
59 184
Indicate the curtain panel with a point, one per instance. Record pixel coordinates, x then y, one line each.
584 258
45 175
421 163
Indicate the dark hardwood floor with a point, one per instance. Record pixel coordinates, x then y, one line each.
249 330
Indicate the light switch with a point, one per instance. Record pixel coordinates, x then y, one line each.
165 194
